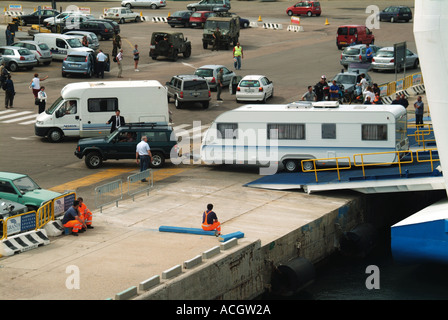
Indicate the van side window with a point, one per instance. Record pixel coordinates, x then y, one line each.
328 130
61 43
375 132
102 104
227 130
286 131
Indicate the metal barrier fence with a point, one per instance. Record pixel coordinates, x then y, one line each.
392 87
431 159
362 163
338 168
134 183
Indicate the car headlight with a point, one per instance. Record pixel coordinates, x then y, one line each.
39 123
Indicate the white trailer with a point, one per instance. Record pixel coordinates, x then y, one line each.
271 134
83 108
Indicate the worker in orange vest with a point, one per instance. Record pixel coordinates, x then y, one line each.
210 221
72 219
85 213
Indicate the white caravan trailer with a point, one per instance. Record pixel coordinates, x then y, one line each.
288 134
83 108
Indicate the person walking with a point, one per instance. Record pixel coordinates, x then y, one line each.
85 214
210 221
101 58
369 53
237 56
136 58
119 63
42 99
310 95
216 39
116 43
419 109
117 121
219 85
334 91
35 84
9 92
72 219
319 88
143 154
9 36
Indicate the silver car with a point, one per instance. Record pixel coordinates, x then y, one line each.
17 57
210 73
384 60
356 53
40 50
188 89
153 4
91 38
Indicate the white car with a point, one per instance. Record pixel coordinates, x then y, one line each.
210 73
68 18
254 88
121 15
153 4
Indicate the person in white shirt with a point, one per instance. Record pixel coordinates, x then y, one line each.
119 61
143 154
369 93
42 99
101 58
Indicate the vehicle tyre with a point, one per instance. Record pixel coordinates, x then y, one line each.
64 74
154 57
205 104
245 24
128 5
272 93
163 45
309 13
137 19
153 6
31 208
13 67
204 44
47 63
392 19
100 37
291 165
93 160
187 52
90 74
264 99
121 21
308 165
158 160
416 63
290 13
172 25
175 55
55 135
193 9
177 103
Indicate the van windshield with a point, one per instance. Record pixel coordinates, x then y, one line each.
54 106
74 43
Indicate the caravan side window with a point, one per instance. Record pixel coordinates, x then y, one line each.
286 131
102 105
328 130
227 130
375 132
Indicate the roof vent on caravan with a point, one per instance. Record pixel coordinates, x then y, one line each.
299 105
326 104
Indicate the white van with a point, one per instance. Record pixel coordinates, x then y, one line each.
272 134
83 108
91 37
60 44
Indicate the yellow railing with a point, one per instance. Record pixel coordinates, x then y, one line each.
422 132
362 163
45 214
338 168
431 159
5 223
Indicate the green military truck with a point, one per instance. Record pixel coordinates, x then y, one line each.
229 27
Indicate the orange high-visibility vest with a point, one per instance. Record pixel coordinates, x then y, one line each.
204 224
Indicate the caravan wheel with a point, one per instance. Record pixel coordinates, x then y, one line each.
291 165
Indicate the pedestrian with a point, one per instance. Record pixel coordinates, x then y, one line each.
219 78
403 101
119 63
85 42
72 219
101 58
319 88
3 73
334 91
42 99
116 42
136 58
85 214
310 95
237 56
369 93
210 221
376 89
377 99
35 84
369 53
419 109
9 92
397 99
216 39
9 35
363 83
117 121
143 153
367 101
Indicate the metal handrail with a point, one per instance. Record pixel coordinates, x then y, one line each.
315 169
431 160
399 162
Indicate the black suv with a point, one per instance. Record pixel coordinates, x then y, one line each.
122 143
104 29
169 44
396 13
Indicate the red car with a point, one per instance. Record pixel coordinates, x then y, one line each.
305 7
198 18
357 34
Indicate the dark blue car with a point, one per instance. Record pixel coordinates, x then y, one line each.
396 13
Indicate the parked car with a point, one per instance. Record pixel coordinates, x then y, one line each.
198 18
10 208
244 23
72 21
17 57
188 89
356 53
91 37
396 13
21 188
122 15
114 24
121 144
153 4
40 50
33 18
349 79
210 72
308 8
254 88
82 63
384 60
210 5
169 44
103 29
358 34
180 18
60 18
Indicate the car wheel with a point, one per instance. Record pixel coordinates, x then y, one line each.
416 64
175 55
55 135
128 5
245 24
309 13
290 13
121 21
291 165
93 160
153 6
158 160
392 19
137 19
205 104
100 37
13 67
187 52
264 99
204 44
177 103
64 74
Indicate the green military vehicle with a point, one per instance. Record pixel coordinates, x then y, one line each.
229 27
169 44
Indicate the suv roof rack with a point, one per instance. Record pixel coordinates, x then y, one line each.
143 124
